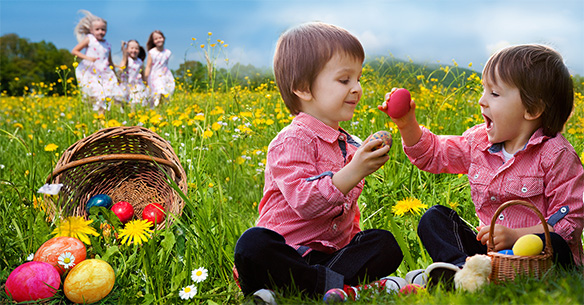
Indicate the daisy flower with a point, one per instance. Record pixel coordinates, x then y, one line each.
67 260
77 227
30 257
50 189
187 292
199 274
135 232
408 205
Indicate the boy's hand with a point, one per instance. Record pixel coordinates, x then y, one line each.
504 238
408 125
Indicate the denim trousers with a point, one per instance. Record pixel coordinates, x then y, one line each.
264 260
447 238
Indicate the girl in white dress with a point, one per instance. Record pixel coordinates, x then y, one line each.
160 79
95 73
132 73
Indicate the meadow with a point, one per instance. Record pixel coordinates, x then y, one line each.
221 136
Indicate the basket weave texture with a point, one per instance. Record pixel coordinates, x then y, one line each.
507 267
128 163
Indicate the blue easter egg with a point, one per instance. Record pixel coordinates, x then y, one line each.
99 200
335 295
506 252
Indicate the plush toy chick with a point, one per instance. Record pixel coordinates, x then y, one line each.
474 274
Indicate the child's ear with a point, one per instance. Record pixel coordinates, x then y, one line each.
533 116
303 94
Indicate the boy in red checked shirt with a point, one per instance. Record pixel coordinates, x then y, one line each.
517 154
308 236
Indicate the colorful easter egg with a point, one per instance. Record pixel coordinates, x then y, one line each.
54 251
411 289
506 252
99 200
383 135
528 245
154 213
89 281
335 295
124 210
399 103
32 281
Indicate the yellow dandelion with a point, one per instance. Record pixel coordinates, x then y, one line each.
136 232
75 64
77 227
51 147
207 134
411 205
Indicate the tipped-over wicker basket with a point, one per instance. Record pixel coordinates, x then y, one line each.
128 163
507 267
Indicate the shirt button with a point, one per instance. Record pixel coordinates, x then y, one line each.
334 227
342 137
563 210
501 217
476 176
493 198
524 189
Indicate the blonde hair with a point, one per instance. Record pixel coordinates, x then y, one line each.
84 26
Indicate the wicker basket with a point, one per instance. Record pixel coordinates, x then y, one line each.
127 163
507 267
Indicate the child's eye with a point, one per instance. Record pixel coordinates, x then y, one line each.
495 94
344 81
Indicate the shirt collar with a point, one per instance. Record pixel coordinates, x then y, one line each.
322 130
536 138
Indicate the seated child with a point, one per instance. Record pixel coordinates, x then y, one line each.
517 154
308 236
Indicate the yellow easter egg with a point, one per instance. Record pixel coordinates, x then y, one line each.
528 245
89 281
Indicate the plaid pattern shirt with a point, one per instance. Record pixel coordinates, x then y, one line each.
300 201
547 172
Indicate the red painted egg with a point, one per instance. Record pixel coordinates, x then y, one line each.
411 289
33 281
89 281
399 103
124 210
383 135
57 247
154 213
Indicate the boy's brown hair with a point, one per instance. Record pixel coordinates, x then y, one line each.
303 51
543 81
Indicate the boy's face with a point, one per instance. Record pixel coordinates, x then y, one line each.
507 120
335 91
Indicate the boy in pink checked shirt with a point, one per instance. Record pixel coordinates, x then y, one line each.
308 236
517 154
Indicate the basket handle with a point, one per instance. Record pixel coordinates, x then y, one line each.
548 241
112 157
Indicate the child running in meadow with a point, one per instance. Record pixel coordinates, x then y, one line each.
307 236
517 154
132 74
95 73
159 76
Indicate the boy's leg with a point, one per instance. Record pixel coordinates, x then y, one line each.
264 260
371 255
562 254
446 237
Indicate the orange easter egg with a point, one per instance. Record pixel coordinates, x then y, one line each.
89 281
383 135
57 247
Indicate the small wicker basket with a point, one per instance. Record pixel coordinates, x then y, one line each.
507 267
128 163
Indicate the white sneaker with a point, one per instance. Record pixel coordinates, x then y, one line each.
394 283
264 297
441 273
417 276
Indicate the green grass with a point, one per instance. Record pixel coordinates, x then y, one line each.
225 180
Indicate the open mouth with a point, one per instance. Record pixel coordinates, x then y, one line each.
488 121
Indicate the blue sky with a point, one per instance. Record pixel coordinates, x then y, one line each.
425 31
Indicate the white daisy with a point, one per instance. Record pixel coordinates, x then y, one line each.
30 257
199 275
67 260
50 189
187 292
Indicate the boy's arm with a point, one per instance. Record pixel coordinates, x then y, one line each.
408 125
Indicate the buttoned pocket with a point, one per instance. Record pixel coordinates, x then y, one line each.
479 178
525 186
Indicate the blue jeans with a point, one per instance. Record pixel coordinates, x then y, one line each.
264 260
447 238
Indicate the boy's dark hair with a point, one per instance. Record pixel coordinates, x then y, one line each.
543 81
303 51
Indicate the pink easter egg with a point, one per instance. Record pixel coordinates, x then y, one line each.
399 103
411 289
335 295
33 281
53 248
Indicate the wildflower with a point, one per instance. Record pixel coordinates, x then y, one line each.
411 205
51 147
67 260
136 231
207 134
77 227
200 274
30 257
50 189
75 64
188 292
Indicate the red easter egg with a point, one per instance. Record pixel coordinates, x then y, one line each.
154 213
33 281
411 289
53 248
399 103
124 210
